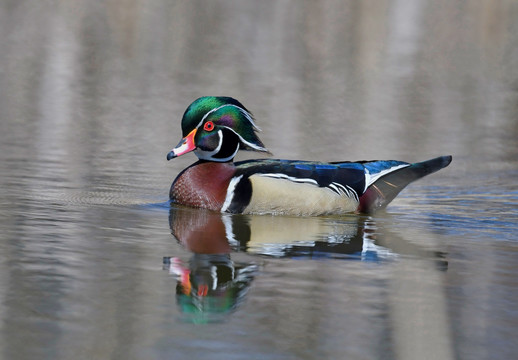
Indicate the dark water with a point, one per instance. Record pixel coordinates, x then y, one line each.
91 95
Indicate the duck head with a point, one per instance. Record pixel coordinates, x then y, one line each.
215 128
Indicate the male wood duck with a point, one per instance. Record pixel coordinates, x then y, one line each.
216 128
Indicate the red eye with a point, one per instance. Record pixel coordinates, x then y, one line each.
209 126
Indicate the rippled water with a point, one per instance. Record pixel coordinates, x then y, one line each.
95 263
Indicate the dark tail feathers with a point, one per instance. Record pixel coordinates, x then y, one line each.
386 188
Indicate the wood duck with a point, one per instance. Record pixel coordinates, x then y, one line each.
216 128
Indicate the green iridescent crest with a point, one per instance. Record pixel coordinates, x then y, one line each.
197 110
223 112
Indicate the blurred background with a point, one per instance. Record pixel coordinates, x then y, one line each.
91 98
335 80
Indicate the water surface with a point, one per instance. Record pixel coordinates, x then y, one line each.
95 263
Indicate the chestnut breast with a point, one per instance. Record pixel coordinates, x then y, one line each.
203 185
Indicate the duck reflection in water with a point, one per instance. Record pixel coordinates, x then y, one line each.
207 232
212 285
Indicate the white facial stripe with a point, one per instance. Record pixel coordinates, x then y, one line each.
254 146
208 155
220 143
248 117
243 111
207 114
205 155
230 192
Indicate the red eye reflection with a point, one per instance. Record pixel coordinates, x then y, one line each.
209 126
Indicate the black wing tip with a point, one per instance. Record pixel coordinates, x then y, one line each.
437 163
386 188
447 159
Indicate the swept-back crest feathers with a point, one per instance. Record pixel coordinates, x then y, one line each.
224 112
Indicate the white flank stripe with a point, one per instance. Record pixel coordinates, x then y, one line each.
291 178
230 192
343 190
354 193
